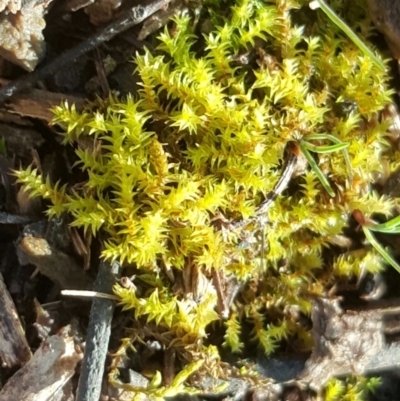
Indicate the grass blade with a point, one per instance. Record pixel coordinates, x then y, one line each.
380 248
333 139
349 32
317 170
390 227
325 149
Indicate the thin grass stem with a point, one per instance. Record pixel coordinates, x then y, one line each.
317 170
370 237
350 33
390 227
333 139
325 149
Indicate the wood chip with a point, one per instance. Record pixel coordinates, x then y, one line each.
344 342
53 263
14 349
37 103
49 370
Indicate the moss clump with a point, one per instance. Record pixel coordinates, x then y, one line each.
351 389
202 145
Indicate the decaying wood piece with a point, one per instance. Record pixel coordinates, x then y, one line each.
42 247
50 368
74 5
37 103
58 266
102 11
344 343
65 393
101 314
386 17
161 18
14 349
20 140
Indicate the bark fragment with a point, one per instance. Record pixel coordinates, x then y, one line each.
343 342
14 349
41 245
50 368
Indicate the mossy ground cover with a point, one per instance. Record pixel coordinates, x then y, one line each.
172 167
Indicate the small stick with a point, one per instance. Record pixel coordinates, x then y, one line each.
128 19
91 377
280 186
6 218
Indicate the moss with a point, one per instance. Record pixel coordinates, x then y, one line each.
351 389
202 145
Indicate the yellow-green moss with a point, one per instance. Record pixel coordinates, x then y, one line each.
203 142
350 389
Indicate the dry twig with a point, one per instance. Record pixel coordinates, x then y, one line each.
98 336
